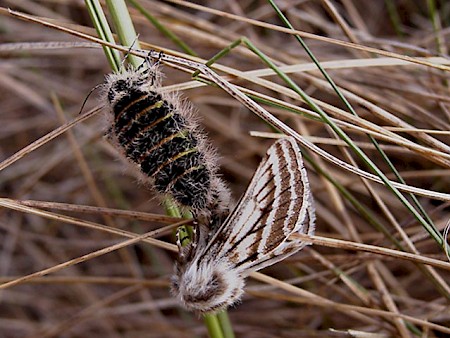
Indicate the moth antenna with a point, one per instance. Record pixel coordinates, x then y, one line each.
102 84
125 57
87 97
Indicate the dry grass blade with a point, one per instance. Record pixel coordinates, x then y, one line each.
84 258
6 203
367 311
128 214
47 138
346 245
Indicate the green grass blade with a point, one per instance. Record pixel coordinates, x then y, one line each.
127 36
163 29
225 324
430 227
125 28
394 16
213 325
104 32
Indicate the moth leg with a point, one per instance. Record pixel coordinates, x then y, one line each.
182 237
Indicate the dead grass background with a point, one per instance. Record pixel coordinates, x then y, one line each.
125 293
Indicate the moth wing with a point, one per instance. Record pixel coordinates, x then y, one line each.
277 204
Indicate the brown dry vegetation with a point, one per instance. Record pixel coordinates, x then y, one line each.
125 293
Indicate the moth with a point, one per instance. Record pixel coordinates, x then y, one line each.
210 271
158 133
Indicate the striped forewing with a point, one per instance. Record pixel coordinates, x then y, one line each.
277 203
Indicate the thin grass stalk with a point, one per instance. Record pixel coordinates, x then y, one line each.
394 16
233 91
128 37
213 325
225 324
125 28
101 25
352 111
441 47
438 282
434 233
163 29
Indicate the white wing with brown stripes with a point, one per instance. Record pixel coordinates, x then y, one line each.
278 203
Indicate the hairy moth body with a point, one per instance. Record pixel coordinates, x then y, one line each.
211 271
157 132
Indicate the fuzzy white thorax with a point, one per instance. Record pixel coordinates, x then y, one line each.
208 285
138 79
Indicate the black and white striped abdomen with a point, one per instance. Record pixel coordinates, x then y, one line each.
157 133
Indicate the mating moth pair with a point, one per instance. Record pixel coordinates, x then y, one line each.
157 133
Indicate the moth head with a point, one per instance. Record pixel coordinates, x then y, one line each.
117 85
207 284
